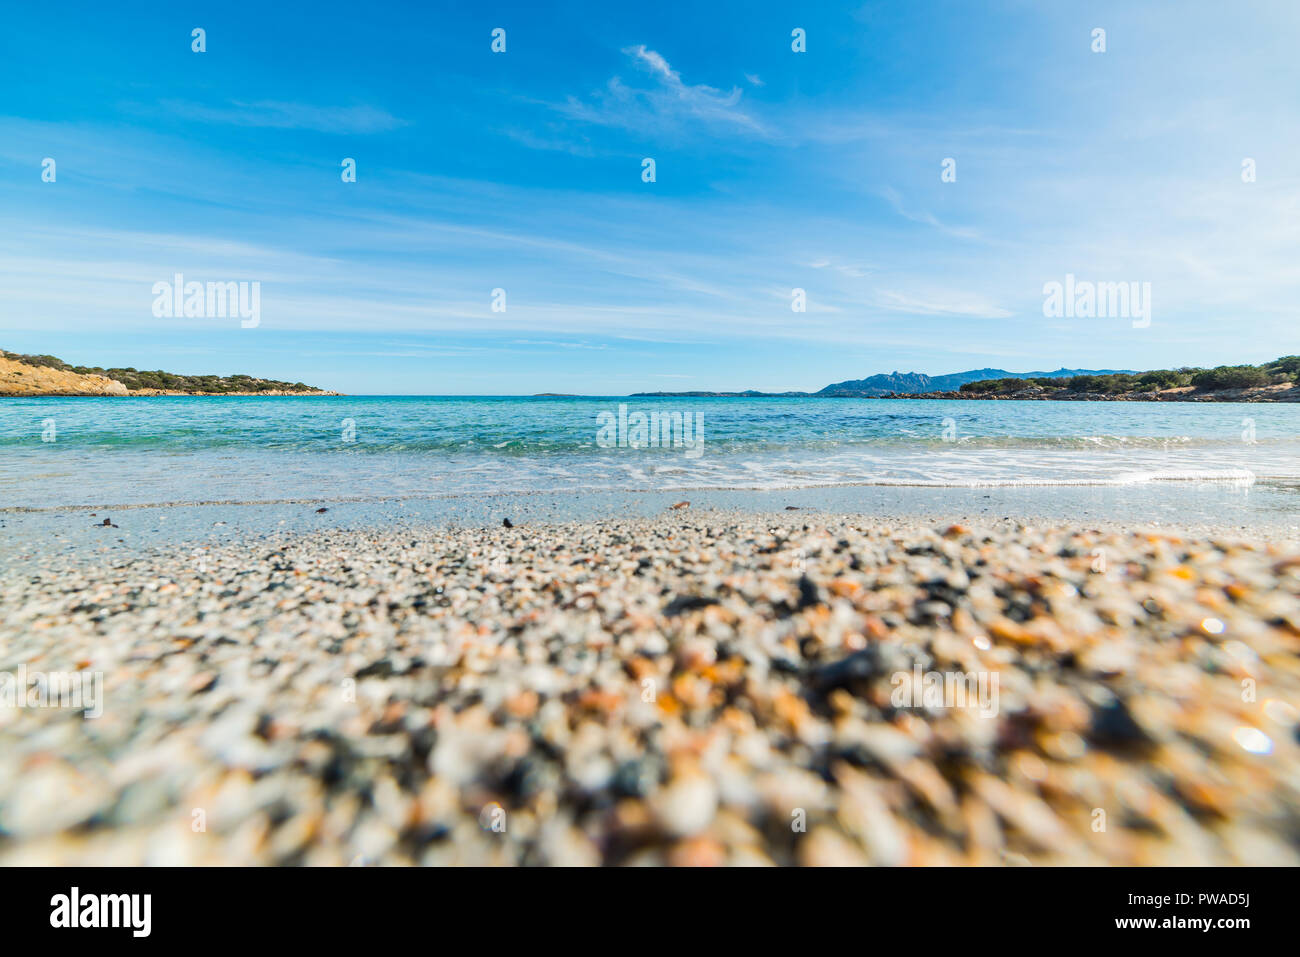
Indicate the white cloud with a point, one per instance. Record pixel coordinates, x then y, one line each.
668 104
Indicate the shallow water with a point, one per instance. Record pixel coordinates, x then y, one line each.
112 451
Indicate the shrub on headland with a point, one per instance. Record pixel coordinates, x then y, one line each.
1115 382
1231 377
1164 379
1013 384
1285 369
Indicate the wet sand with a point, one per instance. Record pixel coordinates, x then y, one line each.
1259 512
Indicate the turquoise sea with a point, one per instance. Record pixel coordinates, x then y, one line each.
61 452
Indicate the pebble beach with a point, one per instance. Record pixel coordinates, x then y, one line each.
691 689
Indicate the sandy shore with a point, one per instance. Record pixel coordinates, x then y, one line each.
18 378
690 689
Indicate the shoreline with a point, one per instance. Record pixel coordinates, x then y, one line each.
1254 513
675 689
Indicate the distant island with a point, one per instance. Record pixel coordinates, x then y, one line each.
49 376
902 383
1275 381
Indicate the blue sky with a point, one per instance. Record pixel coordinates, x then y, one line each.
522 171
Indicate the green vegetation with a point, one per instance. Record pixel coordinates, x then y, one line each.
1164 379
135 379
1231 377
1010 385
1283 370
1115 382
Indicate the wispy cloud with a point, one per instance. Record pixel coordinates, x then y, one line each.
851 270
552 343
669 103
926 218
558 144
278 114
943 303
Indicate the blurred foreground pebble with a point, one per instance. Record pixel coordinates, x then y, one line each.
690 690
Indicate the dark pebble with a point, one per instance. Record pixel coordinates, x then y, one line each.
687 603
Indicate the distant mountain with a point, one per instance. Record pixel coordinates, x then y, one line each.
747 394
910 383
904 383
